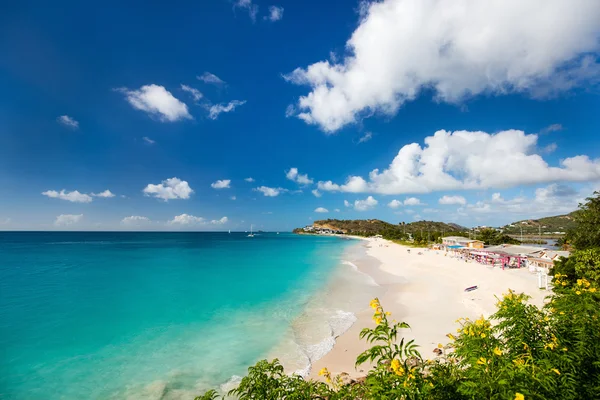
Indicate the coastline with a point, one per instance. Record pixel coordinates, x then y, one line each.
427 292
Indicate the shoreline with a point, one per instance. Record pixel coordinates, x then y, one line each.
427 292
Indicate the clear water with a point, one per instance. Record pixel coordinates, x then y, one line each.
150 315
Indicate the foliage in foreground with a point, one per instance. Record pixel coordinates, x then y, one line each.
521 352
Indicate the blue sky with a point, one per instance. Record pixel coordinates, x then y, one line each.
157 102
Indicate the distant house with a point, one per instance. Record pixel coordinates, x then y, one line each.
544 260
462 241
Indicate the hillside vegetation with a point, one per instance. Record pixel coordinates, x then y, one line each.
558 223
376 226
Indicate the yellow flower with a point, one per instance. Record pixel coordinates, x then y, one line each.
377 320
546 319
519 396
593 290
328 379
430 384
578 292
562 313
579 282
374 304
440 346
388 313
397 367
557 372
564 283
465 331
564 349
323 372
483 335
481 361
451 336
458 330
497 351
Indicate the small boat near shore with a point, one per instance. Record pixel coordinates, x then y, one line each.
471 288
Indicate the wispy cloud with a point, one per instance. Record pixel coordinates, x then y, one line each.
106 194
67 219
366 137
249 6
269 191
275 13
148 140
196 94
216 109
552 128
211 79
249 179
68 121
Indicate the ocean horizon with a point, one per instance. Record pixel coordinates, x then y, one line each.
164 315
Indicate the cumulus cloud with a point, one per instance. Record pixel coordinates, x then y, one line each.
337 210
211 79
186 219
316 193
452 200
468 160
73 196
269 191
157 101
347 203
455 49
250 179
106 194
552 199
148 140
221 184
68 121
394 204
169 189
67 219
366 204
412 201
366 137
135 220
216 109
248 6
219 221
321 210
275 13
295 176
196 94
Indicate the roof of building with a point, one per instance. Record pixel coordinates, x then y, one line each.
460 239
554 253
515 249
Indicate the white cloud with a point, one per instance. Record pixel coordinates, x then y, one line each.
452 200
106 194
366 204
468 160
316 193
212 79
275 13
321 210
366 137
135 220
293 175
73 196
431 210
550 148
68 121
394 204
548 200
219 221
347 203
249 179
148 140
169 189
67 219
552 128
216 109
157 101
221 184
337 210
412 201
249 6
233 198
186 219
196 94
270 192
455 49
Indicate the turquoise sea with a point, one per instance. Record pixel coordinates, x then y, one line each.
101 315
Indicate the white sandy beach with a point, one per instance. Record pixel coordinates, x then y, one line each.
427 292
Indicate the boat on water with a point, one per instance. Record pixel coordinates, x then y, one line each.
251 234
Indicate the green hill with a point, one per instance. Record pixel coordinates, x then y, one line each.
558 223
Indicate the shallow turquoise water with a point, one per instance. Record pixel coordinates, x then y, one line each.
147 315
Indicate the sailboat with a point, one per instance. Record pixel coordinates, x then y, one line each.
251 234
230 231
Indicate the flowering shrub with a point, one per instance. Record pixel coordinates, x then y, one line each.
521 352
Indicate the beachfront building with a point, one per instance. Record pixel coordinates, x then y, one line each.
545 260
455 242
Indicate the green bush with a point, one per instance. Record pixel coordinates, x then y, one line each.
521 352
